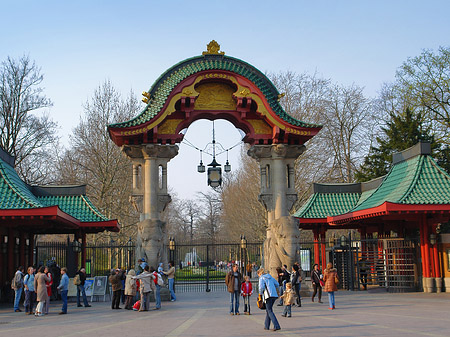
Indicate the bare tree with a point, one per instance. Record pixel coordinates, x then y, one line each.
209 225
94 159
24 135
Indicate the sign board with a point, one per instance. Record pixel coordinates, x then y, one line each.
100 285
89 286
72 288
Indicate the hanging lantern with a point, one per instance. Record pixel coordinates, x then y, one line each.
214 174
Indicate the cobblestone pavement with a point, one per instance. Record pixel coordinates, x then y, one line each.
206 314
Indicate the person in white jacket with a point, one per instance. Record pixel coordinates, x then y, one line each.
146 286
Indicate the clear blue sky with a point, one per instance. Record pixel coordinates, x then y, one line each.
80 44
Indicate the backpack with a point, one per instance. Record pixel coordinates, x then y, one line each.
77 280
17 281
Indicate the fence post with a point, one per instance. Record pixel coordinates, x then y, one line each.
207 269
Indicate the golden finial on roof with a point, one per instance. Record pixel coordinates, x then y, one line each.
213 49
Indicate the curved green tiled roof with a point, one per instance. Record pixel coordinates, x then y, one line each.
321 205
14 193
78 206
418 180
163 86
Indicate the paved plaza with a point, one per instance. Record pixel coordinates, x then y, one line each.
206 314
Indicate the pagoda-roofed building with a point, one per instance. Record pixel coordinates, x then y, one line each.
413 198
26 211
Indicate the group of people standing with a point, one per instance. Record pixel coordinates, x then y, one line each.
38 288
286 287
143 281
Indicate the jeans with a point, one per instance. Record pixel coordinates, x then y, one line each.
172 293
247 304
158 296
80 289
234 296
297 292
331 299
270 316
17 295
287 310
64 300
281 293
30 298
145 301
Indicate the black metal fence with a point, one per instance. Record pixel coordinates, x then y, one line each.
390 263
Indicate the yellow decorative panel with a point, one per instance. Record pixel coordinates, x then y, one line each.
169 126
260 126
215 96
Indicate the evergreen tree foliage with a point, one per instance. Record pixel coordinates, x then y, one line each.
401 132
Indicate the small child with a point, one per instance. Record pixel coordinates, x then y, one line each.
288 299
246 292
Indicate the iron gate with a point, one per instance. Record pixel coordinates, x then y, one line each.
391 263
203 267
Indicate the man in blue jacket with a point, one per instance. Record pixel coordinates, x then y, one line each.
64 287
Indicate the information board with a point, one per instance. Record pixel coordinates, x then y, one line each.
100 285
89 286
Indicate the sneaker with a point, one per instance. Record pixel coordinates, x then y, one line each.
283 315
289 316
172 300
87 306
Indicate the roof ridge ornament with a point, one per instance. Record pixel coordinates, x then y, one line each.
213 48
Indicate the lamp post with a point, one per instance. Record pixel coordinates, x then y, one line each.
76 248
243 253
172 248
130 247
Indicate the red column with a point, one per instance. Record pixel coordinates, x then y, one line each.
437 266
324 257
316 246
426 240
83 250
422 247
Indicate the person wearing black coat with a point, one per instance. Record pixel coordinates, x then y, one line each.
295 280
81 291
316 277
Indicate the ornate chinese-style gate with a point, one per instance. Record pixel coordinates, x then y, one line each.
214 86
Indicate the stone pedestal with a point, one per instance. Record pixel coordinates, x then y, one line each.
438 282
428 284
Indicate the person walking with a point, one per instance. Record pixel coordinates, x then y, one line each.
30 293
130 289
49 290
267 284
233 280
171 279
41 291
331 280
316 279
17 286
116 285
296 280
81 291
64 288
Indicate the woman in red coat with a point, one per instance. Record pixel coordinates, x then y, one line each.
331 280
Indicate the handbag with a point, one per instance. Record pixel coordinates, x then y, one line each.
260 303
336 280
321 283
